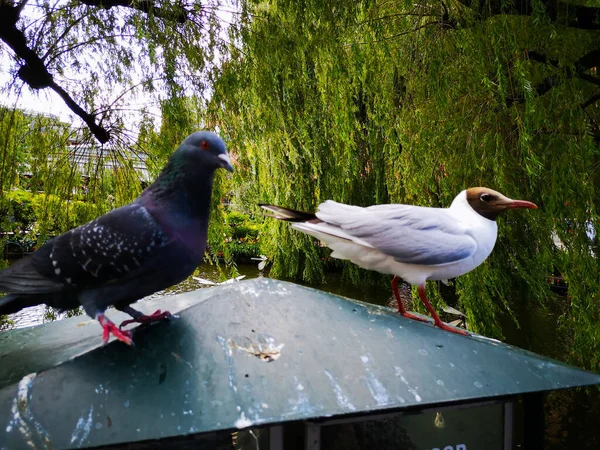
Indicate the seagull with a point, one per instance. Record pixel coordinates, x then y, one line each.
413 243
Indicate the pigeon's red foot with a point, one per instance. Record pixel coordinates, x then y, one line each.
109 327
154 317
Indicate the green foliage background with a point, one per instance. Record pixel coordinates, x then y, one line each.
375 102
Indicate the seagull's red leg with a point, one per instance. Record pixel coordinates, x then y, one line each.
139 317
109 327
401 309
436 320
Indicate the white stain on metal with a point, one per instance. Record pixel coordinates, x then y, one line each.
341 398
229 359
82 428
249 290
242 422
281 290
22 420
376 388
301 403
412 390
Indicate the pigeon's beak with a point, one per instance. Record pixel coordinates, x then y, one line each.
225 162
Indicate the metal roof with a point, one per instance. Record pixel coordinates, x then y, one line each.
251 353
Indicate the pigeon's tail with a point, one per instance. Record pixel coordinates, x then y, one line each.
13 303
289 215
23 278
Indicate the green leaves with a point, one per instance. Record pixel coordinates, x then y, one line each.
386 102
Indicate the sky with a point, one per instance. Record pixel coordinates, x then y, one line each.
44 100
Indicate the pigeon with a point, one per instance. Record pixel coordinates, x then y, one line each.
152 243
413 243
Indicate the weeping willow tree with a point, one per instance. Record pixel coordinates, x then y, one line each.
112 64
375 102
119 67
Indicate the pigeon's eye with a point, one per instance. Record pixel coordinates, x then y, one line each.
485 197
204 145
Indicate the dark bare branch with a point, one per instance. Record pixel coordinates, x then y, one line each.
179 14
590 101
584 63
33 71
564 13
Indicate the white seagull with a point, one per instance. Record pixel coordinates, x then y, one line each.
415 243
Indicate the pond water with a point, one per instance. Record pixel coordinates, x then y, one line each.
36 315
572 416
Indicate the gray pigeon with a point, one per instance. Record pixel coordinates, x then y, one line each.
148 245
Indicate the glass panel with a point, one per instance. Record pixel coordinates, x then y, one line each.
461 428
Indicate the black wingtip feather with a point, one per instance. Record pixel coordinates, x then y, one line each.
287 214
22 277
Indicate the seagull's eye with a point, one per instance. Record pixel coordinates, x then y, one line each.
204 145
485 197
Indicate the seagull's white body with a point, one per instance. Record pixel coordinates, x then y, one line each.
413 242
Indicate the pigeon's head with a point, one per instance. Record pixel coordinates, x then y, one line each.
489 203
207 149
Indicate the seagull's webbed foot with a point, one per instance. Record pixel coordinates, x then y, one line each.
401 309
447 327
109 327
437 322
139 317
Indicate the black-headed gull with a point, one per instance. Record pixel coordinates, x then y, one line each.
414 243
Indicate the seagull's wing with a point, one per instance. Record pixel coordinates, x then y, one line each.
410 234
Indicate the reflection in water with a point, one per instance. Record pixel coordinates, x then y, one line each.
37 314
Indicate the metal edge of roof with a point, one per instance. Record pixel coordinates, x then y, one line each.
373 334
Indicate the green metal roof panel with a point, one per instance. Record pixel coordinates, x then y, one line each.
251 353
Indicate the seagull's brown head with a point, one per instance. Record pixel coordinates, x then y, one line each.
489 203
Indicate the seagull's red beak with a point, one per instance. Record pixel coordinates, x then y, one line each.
521 204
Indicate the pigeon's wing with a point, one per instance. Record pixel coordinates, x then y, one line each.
108 249
410 234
